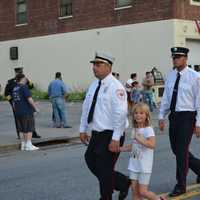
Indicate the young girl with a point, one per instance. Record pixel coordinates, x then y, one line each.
141 160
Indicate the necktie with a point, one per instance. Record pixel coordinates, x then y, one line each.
175 93
91 112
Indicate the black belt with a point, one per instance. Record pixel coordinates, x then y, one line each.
183 113
102 132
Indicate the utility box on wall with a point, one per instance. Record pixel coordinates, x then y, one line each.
14 53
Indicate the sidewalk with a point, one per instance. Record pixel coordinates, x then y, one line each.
8 139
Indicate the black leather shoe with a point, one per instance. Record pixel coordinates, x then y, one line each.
124 194
198 179
35 135
177 191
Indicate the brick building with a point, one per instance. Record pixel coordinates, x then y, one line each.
62 35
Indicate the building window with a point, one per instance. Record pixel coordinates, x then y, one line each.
65 8
21 11
195 2
124 3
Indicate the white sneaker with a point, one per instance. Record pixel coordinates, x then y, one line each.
31 148
22 146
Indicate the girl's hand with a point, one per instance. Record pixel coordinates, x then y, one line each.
121 149
126 148
140 138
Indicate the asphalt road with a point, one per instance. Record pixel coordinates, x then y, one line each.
61 173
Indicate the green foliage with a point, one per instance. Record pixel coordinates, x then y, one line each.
2 98
39 94
76 96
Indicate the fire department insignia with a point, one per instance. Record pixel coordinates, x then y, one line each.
120 94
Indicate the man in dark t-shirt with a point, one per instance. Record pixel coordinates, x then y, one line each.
24 108
20 94
8 91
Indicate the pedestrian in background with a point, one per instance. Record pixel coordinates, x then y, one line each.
57 92
118 76
148 83
136 93
8 94
114 74
24 108
181 99
154 98
128 86
104 113
142 150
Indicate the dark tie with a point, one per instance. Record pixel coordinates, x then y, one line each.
91 112
175 93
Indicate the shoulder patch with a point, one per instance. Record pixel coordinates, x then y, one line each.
120 94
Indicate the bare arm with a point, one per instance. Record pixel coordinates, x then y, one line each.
149 142
30 100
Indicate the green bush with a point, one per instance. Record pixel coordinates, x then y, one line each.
1 98
39 94
76 96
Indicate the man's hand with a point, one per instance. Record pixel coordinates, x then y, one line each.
161 124
85 138
197 131
114 146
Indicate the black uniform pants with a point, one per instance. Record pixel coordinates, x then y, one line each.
181 127
101 163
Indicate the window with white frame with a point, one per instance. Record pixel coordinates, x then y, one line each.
195 2
21 11
65 8
124 3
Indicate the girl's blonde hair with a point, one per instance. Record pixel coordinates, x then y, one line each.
144 108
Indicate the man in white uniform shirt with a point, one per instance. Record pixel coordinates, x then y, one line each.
182 99
104 113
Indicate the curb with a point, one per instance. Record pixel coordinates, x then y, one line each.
39 142
192 191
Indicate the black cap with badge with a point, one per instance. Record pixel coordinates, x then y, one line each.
179 51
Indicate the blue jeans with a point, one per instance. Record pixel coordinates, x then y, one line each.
59 111
148 99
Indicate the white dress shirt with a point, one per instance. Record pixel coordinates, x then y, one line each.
188 98
110 110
